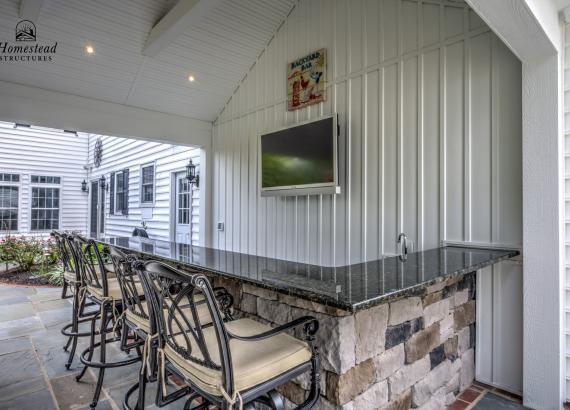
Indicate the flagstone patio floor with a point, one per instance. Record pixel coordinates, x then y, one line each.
32 371
33 375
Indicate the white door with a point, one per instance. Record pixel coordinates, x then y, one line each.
183 197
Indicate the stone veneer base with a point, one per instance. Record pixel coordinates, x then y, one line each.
416 352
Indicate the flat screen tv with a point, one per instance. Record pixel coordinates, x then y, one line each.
300 160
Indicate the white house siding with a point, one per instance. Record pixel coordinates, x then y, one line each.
121 153
43 151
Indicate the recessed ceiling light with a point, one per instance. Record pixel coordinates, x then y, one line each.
191 78
89 49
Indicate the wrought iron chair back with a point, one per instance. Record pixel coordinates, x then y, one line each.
64 255
92 265
176 298
74 263
130 284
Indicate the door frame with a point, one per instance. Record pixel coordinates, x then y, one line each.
101 198
173 199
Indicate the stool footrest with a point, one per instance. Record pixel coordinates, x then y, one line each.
106 365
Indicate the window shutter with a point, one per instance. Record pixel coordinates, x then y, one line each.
112 194
126 191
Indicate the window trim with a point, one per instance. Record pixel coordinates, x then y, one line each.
148 204
19 181
116 211
19 186
45 185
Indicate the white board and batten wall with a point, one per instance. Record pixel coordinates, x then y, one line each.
429 106
566 324
120 153
45 152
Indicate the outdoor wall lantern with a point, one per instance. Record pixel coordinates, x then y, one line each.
191 174
84 186
103 183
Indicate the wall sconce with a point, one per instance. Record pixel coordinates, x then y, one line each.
84 186
103 183
191 175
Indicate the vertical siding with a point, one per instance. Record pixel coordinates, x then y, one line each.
566 67
430 135
43 151
120 153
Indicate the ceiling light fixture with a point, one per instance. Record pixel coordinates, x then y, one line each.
191 78
89 49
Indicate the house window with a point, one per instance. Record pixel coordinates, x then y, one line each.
45 208
43 179
119 193
147 184
9 177
8 208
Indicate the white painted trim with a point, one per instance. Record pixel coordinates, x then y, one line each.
19 186
186 13
31 105
526 27
33 185
206 199
153 202
30 9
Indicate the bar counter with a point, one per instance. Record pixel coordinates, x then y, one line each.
352 287
393 333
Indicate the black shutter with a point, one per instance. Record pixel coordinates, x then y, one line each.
126 191
112 194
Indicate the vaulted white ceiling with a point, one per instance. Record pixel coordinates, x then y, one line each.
217 48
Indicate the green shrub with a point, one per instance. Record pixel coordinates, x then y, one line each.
27 252
24 252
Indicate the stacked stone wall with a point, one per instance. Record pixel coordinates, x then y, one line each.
415 352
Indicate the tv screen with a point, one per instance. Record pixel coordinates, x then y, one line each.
302 156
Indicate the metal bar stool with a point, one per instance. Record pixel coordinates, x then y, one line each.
239 362
140 320
104 290
77 288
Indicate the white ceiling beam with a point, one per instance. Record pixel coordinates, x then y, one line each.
173 24
30 9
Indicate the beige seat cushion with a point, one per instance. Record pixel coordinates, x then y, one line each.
253 362
143 324
108 267
69 276
114 289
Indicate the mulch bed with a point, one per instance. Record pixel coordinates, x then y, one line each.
13 277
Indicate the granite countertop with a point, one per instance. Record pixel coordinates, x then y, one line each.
352 288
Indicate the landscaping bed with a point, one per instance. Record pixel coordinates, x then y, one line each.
14 277
30 261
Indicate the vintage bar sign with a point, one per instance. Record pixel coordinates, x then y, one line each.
306 80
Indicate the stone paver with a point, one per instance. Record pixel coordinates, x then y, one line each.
32 371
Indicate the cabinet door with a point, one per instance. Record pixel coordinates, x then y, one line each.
499 350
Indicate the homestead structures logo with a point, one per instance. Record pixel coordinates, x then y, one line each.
25 31
26 48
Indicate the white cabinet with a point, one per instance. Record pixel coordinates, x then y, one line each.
499 327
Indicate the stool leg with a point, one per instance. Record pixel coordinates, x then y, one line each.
103 351
142 389
91 347
74 328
